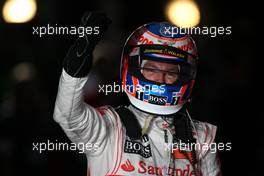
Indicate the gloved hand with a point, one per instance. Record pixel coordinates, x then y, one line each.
78 60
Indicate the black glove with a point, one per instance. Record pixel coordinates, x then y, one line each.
78 60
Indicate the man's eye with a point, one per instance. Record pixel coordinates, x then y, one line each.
150 70
172 75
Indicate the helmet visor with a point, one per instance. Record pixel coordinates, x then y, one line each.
162 64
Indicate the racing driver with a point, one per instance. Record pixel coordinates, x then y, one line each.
155 134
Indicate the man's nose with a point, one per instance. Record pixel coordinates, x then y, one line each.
160 77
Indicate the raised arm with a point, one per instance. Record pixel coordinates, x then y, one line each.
81 122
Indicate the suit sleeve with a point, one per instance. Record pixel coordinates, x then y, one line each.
81 122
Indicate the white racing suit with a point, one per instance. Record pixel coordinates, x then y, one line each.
113 153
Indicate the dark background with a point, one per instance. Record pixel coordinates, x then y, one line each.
227 92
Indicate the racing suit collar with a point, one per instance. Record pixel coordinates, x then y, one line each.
162 122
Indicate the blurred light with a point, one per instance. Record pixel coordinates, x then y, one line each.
183 13
24 72
19 11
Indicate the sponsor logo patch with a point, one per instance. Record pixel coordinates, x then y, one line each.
158 100
144 168
136 147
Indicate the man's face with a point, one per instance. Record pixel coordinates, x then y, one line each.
161 72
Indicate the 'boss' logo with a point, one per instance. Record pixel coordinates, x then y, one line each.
159 100
136 147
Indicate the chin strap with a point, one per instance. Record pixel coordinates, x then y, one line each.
146 124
